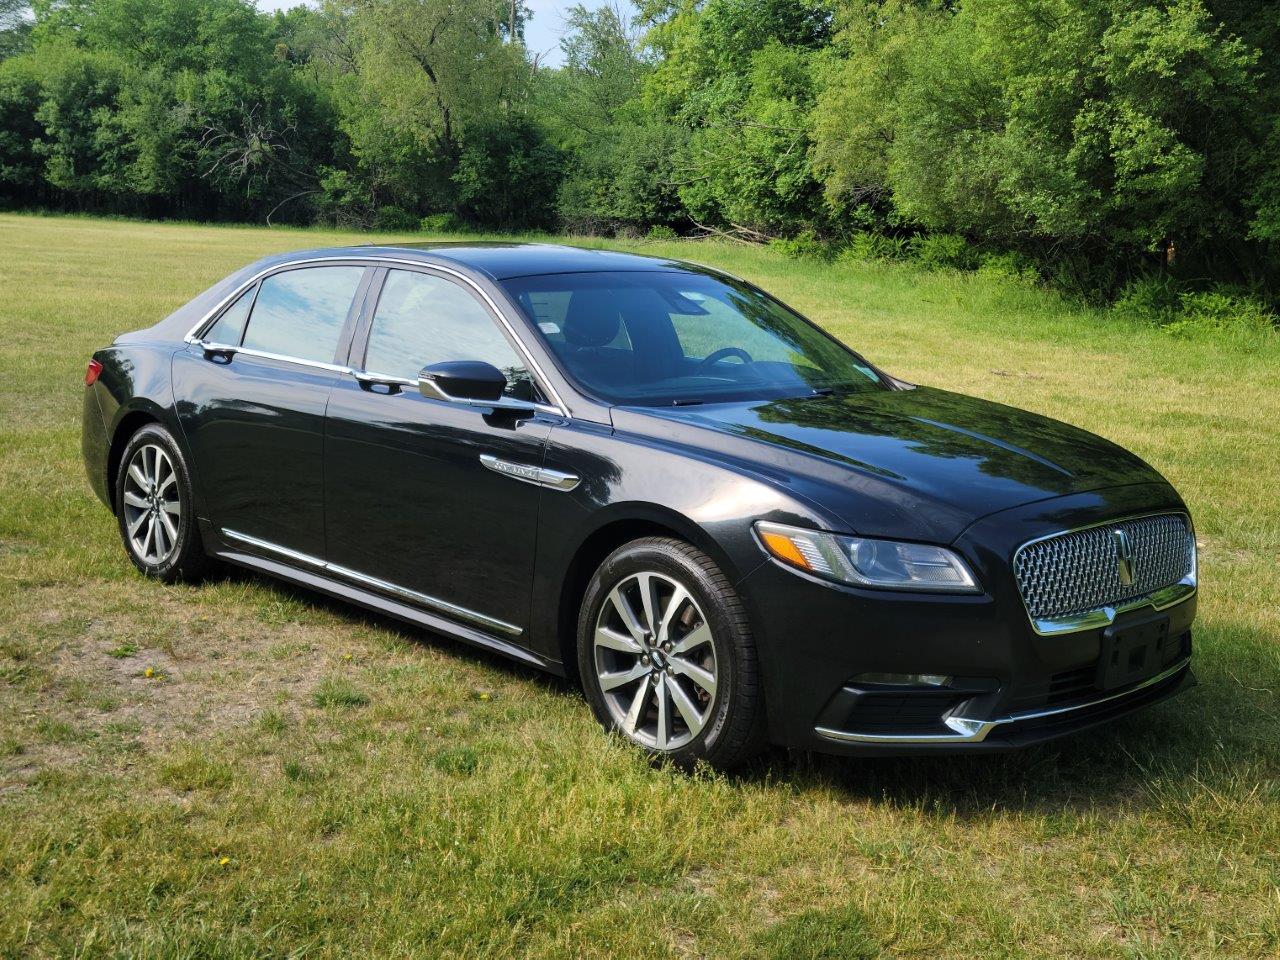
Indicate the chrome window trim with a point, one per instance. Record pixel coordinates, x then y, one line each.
1161 599
264 355
385 586
965 730
503 403
543 383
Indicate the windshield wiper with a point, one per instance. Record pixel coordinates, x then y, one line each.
686 403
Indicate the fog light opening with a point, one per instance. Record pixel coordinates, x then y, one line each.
904 679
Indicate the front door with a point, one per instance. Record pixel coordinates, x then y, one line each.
253 413
411 506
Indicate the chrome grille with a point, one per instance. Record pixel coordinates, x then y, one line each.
1074 573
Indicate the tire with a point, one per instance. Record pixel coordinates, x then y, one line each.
155 510
685 691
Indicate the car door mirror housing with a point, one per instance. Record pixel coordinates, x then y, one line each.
465 380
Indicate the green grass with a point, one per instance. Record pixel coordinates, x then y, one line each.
297 778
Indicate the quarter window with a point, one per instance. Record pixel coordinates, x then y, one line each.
230 326
300 313
423 319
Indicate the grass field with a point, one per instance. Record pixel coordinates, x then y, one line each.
243 769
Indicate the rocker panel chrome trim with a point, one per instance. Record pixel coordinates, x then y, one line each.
413 596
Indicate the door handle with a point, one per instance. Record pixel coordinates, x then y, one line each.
368 381
218 352
527 472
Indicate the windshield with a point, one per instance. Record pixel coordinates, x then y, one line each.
664 338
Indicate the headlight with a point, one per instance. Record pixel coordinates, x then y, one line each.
864 562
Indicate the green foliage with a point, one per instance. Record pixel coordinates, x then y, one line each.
805 245
506 175
943 250
15 29
839 933
1106 128
1151 299
1220 310
866 245
339 692
739 75
21 175
1009 266
1223 310
1093 141
625 182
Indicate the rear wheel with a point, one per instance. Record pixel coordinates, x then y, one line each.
154 508
667 658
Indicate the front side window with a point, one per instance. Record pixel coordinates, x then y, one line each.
300 313
676 337
423 319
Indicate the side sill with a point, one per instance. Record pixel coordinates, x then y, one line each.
373 601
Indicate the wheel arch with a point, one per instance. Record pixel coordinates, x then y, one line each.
131 417
623 524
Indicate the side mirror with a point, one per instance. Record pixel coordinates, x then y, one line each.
466 381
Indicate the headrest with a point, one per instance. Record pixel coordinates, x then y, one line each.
592 319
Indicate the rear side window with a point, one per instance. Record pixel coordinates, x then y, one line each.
423 319
230 326
301 313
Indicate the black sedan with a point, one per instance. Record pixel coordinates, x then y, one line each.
654 478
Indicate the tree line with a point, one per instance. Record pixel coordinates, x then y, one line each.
1099 142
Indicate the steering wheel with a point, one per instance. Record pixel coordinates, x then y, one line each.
724 353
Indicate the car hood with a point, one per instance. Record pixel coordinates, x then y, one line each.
918 463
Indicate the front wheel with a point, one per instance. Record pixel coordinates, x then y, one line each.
155 508
666 655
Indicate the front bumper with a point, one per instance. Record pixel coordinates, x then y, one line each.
1031 726
1011 686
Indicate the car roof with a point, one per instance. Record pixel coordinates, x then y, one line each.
502 261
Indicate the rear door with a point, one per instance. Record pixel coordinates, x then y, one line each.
251 398
411 506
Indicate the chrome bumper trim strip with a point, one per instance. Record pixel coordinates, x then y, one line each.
403 593
1161 599
966 730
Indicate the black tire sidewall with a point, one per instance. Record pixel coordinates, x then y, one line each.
189 555
690 568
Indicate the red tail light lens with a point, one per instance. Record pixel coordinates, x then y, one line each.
91 374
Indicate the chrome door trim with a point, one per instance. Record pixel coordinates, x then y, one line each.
1161 599
965 730
213 347
502 403
528 473
543 382
421 599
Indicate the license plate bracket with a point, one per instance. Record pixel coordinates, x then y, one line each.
1132 652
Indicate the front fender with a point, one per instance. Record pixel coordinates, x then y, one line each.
631 486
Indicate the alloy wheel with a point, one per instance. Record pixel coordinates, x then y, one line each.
655 660
151 504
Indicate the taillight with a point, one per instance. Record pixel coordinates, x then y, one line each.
91 374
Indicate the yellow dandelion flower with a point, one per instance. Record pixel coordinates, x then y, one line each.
149 672
224 861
